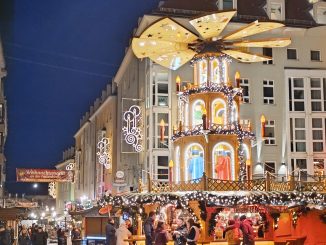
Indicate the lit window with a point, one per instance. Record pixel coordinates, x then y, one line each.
268 91
315 55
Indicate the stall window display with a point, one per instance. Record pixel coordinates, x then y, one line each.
194 162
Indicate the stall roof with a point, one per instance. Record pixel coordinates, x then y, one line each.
11 213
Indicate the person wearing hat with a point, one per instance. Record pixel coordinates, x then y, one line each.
4 235
110 232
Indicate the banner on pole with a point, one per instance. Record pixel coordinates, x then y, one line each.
44 175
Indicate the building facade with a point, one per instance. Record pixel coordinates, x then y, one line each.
3 123
288 92
93 179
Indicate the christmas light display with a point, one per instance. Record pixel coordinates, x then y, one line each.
70 166
52 190
103 153
132 130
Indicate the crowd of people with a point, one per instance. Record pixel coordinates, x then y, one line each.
36 235
238 231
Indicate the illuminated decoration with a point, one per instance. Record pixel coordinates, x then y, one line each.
195 162
132 131
171 45
223 161
262 122
104 152
52 190
178 83
223 199
70 166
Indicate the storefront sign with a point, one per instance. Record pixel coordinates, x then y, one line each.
44 175
120 179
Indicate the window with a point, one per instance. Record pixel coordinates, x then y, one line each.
268 91
227 4
163 168
276 11
317 135
317 94
268 52
2 113
296 94
244 84
270 167
298 134
270 132
292 54
160 89
301 166
315 55
319 166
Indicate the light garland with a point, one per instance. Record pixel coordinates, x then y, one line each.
52 190
132 130
103 153
285 199
70 166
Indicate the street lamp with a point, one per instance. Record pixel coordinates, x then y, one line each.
35 185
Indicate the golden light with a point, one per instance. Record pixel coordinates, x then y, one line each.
178 80
237 75
204 111
162 123
262 119
248 162
171 163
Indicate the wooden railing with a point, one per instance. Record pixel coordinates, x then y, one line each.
210 184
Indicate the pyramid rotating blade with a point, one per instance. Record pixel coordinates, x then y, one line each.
252 29
173 60
246 56
144 47
168 30
213 24
264 43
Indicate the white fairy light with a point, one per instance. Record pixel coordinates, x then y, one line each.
103 153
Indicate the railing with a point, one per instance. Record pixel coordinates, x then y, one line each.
209 184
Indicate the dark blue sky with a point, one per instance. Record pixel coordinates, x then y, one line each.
59 56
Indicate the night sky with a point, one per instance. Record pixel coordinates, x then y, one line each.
59 56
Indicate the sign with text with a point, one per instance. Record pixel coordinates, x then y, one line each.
44 175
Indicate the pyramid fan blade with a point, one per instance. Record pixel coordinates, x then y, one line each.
264 43
213 24
252 29
173 60
147 47
168 30
246 56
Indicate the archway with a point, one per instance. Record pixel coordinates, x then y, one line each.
223 161
194 161
197 112
219 111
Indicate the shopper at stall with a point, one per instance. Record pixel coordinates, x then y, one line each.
149 228
24 238
4 235
39 238
110 232
232 233
180 234
61 236
75 236
161 236
129 226
193 232
122 233
247 231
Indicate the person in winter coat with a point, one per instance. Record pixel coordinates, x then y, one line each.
232 233
122 233
4 236
180 234
247 231
39 238
161 236
149 228
193 232
24 238
110 232
75 236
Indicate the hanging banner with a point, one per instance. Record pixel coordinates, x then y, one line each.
44 175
